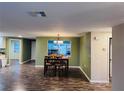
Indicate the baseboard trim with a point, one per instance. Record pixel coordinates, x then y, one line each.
33 59
39 66
85 74
93 81
74 66
81 71
25 61
97 81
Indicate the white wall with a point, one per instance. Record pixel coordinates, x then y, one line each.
33 50
2 42
118 58
100 56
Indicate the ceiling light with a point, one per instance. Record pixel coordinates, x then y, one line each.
20 36
58 41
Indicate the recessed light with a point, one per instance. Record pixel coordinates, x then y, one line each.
20 36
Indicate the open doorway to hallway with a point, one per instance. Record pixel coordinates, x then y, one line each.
33 50
15 50
110 59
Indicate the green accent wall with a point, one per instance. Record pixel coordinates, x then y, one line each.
42 50
85 53
26 49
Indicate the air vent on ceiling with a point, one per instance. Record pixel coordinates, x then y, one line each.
38 14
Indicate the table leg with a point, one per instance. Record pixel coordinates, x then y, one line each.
55 70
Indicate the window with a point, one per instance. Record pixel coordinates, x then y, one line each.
16 47
59 49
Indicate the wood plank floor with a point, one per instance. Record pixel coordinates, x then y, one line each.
27 77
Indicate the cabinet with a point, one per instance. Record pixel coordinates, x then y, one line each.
3 60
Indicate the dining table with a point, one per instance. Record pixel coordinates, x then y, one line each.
55 61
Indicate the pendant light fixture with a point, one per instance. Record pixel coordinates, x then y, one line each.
58 41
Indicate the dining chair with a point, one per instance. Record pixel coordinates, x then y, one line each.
60 67
49 66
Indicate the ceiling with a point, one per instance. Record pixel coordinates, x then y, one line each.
67 19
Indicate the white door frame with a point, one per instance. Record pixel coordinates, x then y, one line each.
110 59
20 54
33 50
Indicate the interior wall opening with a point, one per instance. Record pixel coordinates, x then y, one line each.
15 50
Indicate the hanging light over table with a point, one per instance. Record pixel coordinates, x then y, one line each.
58 41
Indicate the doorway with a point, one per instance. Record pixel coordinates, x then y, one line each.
33 49
110 59
15 49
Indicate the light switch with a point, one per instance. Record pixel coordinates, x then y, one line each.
103 49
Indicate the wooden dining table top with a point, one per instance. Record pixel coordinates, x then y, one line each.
56 59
